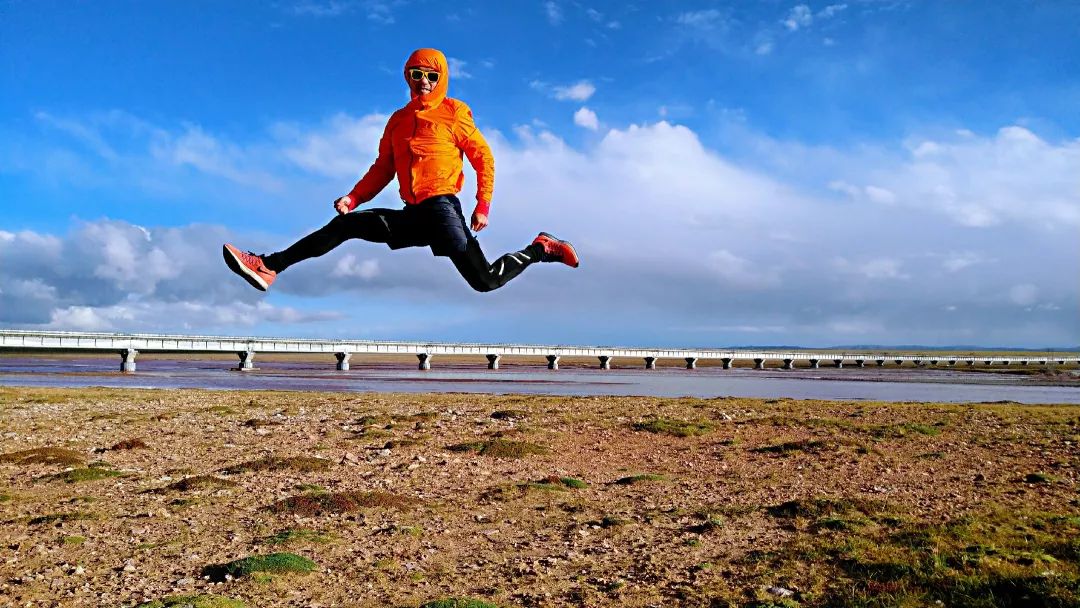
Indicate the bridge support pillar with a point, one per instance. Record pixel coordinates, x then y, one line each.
970 362
789 364
650 362
815 363
759 364
127 361
918 362
880 362
691 363
727 362
247 360
838 363
605 362
343 361
860 363
553 361
493 361
425 360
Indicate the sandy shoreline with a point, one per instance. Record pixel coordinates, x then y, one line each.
761 500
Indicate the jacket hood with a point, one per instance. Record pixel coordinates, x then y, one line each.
431 59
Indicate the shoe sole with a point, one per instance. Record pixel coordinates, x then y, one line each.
568 244
238 267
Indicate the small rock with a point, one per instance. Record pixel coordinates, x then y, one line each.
78 570
350 458
129 566
384 452
780 591
184 582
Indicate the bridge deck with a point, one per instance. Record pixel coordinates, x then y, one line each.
131 344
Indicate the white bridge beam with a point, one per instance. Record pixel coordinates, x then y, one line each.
129 345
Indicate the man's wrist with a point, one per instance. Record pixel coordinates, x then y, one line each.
482 207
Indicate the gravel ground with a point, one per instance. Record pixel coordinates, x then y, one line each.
426 522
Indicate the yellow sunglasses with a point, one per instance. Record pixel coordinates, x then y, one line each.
417 74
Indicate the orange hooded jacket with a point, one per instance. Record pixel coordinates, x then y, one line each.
423 143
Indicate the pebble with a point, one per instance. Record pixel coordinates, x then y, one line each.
780 591
129 566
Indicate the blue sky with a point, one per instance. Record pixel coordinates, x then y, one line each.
868 171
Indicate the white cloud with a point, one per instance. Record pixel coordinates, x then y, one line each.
799 16
554 12
955 262
981 181
741 240
579 91
764 48
457 68
831 11
704 19
1024 294
350 266
586 118
330 8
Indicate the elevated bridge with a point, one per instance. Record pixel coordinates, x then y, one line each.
128 346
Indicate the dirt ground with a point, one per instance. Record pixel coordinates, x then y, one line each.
406 500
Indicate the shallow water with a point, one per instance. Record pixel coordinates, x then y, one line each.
878 384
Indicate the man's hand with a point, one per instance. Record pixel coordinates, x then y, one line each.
479 221
343 205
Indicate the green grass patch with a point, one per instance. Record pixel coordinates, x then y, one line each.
87 474
643 478
308 505
73 540
1039 478
43 456
671 426
500 448
303 464
905 429
198 482
194 601
1005 557
274 563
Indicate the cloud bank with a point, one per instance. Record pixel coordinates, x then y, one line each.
951 240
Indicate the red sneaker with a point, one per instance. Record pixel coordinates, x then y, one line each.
249 266
557 251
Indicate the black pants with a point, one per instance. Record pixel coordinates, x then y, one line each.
436 222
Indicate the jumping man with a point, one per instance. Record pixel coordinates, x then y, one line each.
422 145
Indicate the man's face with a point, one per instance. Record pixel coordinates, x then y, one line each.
424 85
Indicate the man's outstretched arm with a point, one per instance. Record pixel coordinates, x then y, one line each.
377 177
472 143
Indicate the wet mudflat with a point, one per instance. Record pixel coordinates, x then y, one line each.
1043 385
115 497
